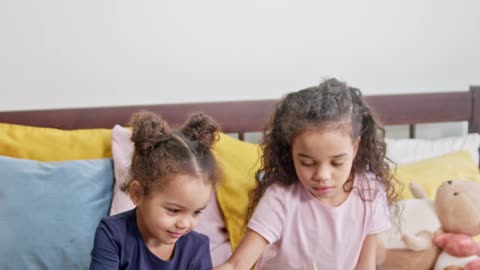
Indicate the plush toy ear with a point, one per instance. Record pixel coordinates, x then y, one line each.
417 190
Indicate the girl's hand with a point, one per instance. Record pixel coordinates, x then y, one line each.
247 252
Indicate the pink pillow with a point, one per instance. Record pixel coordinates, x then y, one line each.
122 150
211 222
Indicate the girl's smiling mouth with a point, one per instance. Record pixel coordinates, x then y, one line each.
176 234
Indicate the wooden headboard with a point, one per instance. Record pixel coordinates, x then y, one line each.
250 116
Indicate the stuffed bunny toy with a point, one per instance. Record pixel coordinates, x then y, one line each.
455 213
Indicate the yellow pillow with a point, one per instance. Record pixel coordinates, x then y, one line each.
430 173
49 144
239 162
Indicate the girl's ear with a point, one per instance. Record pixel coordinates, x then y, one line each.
135 190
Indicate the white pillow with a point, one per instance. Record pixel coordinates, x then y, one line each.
415 215
404 151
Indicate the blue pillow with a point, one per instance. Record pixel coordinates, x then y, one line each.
49 211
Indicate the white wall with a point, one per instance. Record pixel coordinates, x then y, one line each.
59 53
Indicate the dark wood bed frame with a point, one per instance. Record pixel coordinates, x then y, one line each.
250 116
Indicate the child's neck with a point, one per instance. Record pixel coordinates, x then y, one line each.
162 251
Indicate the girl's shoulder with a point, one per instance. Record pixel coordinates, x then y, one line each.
119 220
122 215
195 238
369 185
367 179
290 191
283 197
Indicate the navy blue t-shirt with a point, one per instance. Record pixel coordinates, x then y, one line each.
119 245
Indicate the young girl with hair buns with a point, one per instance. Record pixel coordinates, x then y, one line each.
172 176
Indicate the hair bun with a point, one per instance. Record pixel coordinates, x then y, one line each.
202 129
148 129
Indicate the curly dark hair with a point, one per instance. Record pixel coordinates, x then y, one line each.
332 104
161 151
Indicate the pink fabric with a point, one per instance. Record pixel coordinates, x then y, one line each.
211 222
304 233
122 150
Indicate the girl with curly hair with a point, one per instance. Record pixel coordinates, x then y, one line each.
324 187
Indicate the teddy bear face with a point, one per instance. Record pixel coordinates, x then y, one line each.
457 204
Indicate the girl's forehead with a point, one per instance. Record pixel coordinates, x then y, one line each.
184 190
182 177
337 129
315 134
173 181
328 142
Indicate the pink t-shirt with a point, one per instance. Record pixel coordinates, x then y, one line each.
302 232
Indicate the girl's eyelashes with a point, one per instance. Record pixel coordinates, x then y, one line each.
310 164
307 164
173 211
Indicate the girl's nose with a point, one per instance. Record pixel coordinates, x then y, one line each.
183 222
322 173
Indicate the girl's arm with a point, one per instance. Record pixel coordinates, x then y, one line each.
203 259
366 261
104 253
247 252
